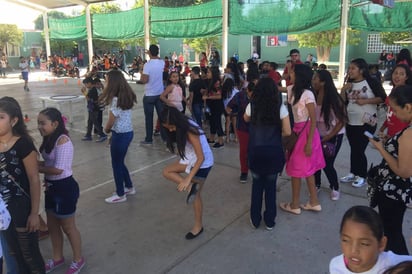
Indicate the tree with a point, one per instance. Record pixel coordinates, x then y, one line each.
10 34
176 3
103 8
38 22
61 46
203 44
324 41
389 38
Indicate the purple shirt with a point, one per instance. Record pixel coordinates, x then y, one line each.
238 105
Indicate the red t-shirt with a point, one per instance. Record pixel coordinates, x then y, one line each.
275 76
392 122
288 83
203 62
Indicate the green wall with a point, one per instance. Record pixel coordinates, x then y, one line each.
241 44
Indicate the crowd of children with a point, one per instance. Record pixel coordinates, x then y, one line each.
317 115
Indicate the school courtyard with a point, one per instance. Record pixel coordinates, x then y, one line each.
146 233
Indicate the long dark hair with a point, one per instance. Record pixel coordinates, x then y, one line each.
404 54
227 88
215 78
117 86
183 124
402 95
374 84
332 101
303 80
265 103
49 141
10 106
235 72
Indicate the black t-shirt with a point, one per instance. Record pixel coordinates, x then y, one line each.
14 183
195 86
93 100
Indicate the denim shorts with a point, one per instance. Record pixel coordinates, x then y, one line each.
61 197
202 173
25 75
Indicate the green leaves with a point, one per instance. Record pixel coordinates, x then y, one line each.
10 34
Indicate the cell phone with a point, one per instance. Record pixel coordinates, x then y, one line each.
371 136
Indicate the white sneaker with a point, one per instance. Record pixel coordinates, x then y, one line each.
129 191
359 182
116 199
334 195
348 178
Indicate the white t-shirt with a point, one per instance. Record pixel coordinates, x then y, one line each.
123 118
154 69
385 260
283 111
300 112
190 156
360 90
24 66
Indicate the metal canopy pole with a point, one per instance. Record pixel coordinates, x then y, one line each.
146 25
89 36
343 41
46 33
225 32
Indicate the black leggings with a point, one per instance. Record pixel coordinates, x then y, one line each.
216 122
392 213
358 143
24 247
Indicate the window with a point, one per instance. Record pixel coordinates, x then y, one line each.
376 46
13 50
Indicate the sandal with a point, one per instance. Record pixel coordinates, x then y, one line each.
286 207
310 207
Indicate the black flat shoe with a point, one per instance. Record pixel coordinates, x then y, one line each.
191 236
192 194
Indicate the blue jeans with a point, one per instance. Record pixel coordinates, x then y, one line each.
197 110
9 259
149 104
118 149
267 184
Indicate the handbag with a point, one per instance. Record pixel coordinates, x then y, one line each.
289 142
329 149
373 179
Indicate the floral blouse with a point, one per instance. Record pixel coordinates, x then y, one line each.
394 186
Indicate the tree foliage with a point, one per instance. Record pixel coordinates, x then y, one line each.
38 22
104 7
59 47
203 44
324 41
176 3
389 38
10 34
